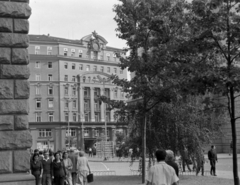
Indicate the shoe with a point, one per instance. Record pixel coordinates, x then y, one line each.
214 175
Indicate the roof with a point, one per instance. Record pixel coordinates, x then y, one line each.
49 38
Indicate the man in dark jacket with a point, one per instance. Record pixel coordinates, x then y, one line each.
47 169
74 157
212 156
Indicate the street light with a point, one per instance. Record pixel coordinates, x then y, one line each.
103 80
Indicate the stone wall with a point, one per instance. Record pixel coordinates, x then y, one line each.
15 137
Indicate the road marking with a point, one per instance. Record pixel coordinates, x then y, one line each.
105 166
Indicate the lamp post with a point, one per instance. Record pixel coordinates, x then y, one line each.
103 80
68 100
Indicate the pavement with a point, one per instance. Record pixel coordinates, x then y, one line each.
111 164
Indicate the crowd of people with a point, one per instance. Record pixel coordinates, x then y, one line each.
59 168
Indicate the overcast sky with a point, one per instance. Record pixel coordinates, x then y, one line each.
74 19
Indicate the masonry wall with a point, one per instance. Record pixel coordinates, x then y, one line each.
15 138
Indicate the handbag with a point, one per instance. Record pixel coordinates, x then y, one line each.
90 177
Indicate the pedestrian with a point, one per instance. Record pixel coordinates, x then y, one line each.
68 166
212 156
74 157
161 173
36 168
231 148
83 168
170 160
185 159
200 162
47 169
90 152
58 170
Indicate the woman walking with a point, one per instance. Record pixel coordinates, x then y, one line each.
83 168
36 168
68 166
58 170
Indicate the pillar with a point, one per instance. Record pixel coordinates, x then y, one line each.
15 138
81 103
112 111
92 104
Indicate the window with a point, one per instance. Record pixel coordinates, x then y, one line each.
38 103
97 117
73 66
86 117
95 68
102 69
108 56
74 91
38 77
49 48
37 90
74 117
121 71
115 57
50 77
107 116
50 90
115 93
38 117
65 65
96 106
84 79
50 103
50 117
107 132
45 133
37 50
80 67
65 78
49 65
108 69
74 102
65 51
86 92
96 133
86 105
115 70
80 54
72 52
88 68
96 92
86 132
71 132
49 52
66 90
73 78
89 79
66 116
37 64
37 47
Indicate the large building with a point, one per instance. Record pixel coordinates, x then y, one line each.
67 78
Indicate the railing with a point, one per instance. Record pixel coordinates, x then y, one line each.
104 173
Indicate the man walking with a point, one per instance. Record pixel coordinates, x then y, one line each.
73 156
212 156
47 169
161 173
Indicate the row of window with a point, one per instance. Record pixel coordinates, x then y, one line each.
72 132
95 68
74 117
51 104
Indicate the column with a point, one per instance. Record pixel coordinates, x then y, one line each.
15 137
103 110
92 104
112 111
81 103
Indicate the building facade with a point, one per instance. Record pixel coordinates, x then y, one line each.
67 78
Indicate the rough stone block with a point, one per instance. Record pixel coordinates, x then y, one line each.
5 55
6 25
22 89
20 56
6 89
13 106
14 71
14 39
21 26
14 9
11 140
17 179
6 164
6 122
21 162
21 122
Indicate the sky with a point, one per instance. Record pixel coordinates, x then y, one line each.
74 19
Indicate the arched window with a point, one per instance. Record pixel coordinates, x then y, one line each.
84 79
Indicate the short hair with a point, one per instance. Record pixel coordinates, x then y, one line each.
40 152
56 154
36 150
170 155
81 153
64 153
34 155
160 155
212 146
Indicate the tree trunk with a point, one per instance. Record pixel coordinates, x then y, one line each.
144 148
234 138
